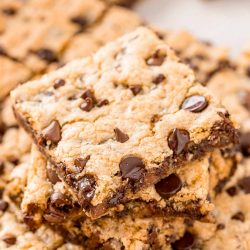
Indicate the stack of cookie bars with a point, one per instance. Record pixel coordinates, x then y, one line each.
124 136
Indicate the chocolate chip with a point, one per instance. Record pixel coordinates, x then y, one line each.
59 83
59 200
3 52
52 175
53 132
177 140
155 118
195 103
120 136
87 186
136 89
88 94
221 226
186 242
1 193
244 184
102 103
81 162
156 59
158 79
81 21
116 199
132 167
9 11
238 216
245 143
9 239
3 205
54 217
244 97
232 191
29 221
1 167
88 105
168 186
47 55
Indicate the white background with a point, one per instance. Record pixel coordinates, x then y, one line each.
224 22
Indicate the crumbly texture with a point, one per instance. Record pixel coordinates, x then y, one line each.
122 75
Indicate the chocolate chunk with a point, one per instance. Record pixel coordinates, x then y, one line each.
238 216
186 242
59 83
195 103
1 167
232 191
47 55
136 89
102 103
54 217
177 140
3 205
88 105
158 79
168 186
221 226
53 132
156 59
116 199
59 200
9 11
244 97
29 221
120 136
81 162
245 143
9 239
87 186
244 184
52 175
132 167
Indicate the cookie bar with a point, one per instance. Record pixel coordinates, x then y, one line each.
76 113
57 24
232 215
8 79
235 97
115 22
47 199
202 56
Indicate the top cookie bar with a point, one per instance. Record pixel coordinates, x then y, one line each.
121 119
